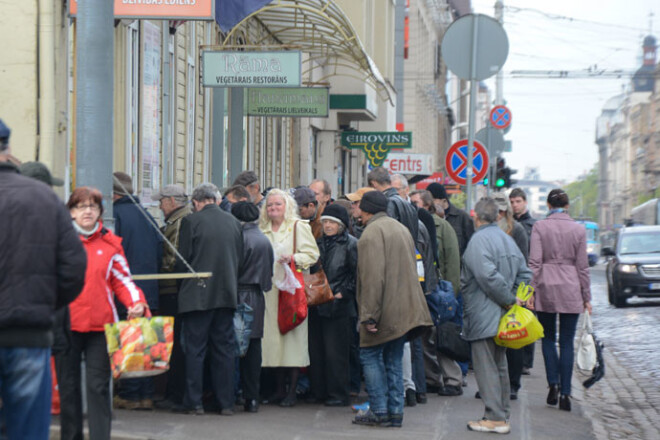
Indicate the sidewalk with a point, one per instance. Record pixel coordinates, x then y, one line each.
440 418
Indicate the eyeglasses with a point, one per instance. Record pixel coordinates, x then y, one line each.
93 207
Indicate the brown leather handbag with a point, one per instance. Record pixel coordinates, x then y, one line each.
317 288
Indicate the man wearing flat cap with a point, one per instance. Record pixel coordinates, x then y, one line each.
308 209
173 202
250 181
255 278
391 304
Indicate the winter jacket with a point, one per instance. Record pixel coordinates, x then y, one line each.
339 259
211 240
107 275
527 221
142 243
388 291
449 257
423 245
558 258
520 237
171 231
493 267
42 262
402 211
462 224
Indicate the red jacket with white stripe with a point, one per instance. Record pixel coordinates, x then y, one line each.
107 275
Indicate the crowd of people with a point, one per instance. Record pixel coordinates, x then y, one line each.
384 249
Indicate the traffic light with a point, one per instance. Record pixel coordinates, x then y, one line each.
508 181
500 173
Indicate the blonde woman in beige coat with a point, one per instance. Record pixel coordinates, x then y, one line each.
279 221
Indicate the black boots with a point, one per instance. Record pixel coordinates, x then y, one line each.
553 394
565 402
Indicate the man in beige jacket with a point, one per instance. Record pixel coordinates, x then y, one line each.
391 305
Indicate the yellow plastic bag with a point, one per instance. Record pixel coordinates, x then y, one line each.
519 327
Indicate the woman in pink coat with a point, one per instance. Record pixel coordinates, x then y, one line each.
558 259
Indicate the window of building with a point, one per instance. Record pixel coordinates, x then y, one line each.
132 97
150 126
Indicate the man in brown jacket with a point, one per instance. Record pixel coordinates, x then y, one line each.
391 304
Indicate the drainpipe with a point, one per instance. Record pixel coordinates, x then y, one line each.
46 62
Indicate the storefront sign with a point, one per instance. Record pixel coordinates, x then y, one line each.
251 69
403 163
298 102
376 145
159 9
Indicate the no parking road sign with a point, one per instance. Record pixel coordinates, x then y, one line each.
456 162
500 117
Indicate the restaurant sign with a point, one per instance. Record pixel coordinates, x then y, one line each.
286 101
376 145
251 69
159 9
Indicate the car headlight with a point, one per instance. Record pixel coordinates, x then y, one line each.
628 268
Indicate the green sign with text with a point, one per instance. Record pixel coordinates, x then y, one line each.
377 144
251 69
309 102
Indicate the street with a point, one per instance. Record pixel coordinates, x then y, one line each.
625 403
622 405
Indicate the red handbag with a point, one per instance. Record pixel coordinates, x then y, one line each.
292 309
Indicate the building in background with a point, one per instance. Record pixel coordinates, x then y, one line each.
628 139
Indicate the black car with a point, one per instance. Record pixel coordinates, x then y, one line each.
634 266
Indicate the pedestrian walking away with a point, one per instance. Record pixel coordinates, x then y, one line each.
558 258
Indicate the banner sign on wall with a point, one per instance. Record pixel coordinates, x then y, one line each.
409 163
376 144
291 102
251 69
159 9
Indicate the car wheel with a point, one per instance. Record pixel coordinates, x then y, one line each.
614 299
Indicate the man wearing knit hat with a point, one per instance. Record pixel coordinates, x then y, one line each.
457 218
388 309
255 278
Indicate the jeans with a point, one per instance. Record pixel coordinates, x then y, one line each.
558 369
25 385
384 377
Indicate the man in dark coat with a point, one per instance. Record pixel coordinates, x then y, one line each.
256 277
457 218
43 265
518 200
143 247
211 241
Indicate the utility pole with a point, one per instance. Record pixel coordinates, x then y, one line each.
95 35
499 99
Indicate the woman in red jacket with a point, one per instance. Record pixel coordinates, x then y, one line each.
107 275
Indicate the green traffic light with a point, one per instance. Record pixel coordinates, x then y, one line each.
499 183
485 181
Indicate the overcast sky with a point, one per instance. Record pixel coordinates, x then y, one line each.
554 119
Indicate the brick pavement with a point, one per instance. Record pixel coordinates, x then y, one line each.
625 404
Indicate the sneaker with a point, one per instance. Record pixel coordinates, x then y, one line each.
411 397
485 425
364 407
450 390
396 421
513 395
553 394
120 403
369 418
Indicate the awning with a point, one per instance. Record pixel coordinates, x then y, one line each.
319 28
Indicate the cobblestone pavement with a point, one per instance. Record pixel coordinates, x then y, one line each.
625 404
